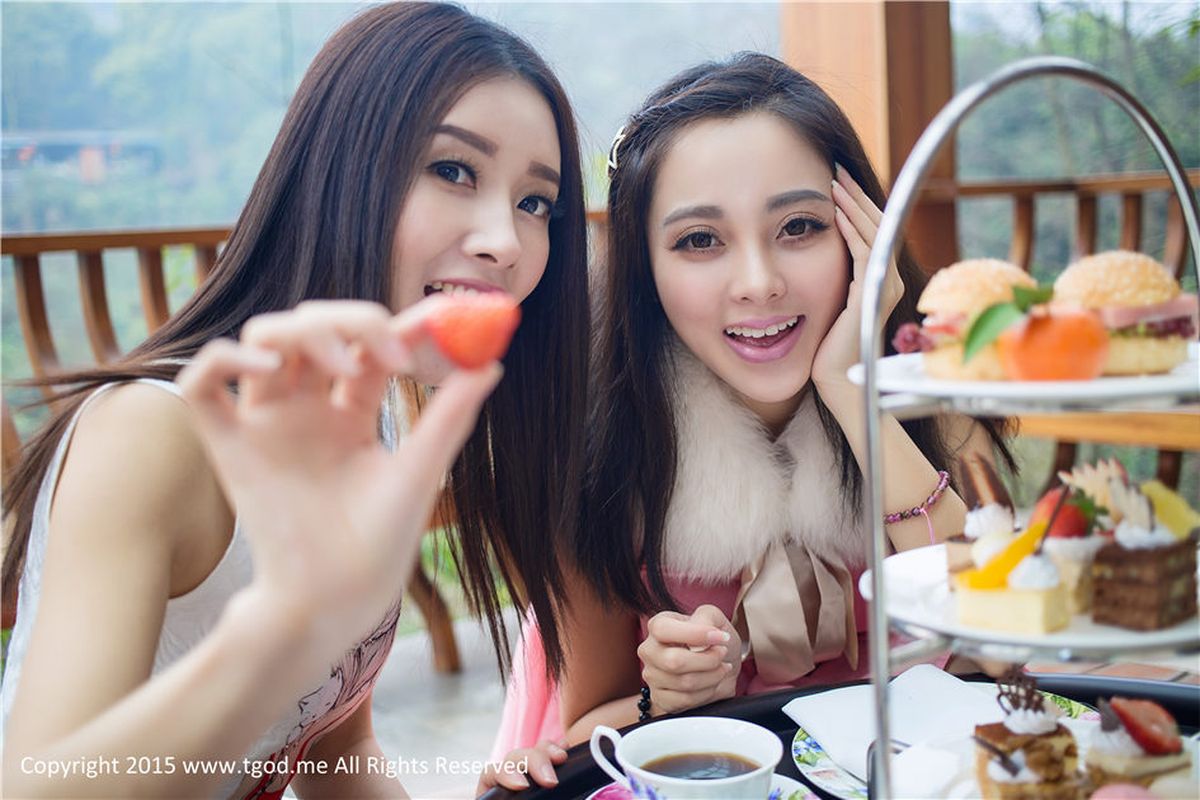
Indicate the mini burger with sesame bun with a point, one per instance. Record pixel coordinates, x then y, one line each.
1149 319
952 300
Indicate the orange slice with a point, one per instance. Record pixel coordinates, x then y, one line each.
994 574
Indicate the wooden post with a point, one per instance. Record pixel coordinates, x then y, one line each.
890 67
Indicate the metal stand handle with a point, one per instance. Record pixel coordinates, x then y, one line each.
911 178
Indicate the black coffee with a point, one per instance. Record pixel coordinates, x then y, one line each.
701 766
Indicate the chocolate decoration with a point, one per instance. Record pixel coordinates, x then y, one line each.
1109 721
978 483
1001 757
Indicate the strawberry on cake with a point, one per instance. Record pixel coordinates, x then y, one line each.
1070 542
1137 743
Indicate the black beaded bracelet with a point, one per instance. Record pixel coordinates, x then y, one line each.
644 705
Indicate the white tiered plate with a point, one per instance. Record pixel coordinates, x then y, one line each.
905 374
920 602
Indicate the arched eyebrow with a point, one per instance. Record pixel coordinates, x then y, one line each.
796 196
773 204
703 212
486 146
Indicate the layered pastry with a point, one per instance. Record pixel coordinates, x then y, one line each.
1018 590
1029 754
1146 578
1137 743
989 525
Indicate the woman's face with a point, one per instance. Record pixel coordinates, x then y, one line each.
478 215
749 265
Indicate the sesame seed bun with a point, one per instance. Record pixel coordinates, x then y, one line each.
1115 278
946 362
1144 355
969 287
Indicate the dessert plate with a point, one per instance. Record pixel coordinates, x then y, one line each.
782 788
919 601
905 373
823 772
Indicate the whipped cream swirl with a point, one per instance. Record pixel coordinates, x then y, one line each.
1132 536
1116 743
1024 775
1074 548
1034 572
992 518
988 547
1029 722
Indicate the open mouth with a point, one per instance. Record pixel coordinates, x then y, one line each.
450 287
763 337
759 345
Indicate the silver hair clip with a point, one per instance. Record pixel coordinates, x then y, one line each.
612 151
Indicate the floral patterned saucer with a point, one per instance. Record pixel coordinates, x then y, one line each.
782 788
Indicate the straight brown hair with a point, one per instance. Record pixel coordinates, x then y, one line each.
319 224
632 446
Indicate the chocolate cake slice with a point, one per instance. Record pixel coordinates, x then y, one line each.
1144 589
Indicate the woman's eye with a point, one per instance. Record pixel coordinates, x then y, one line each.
696 240
537 206
453 172
798 227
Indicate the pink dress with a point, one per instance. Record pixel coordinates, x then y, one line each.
531 704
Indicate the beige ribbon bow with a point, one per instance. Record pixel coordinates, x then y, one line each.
795 609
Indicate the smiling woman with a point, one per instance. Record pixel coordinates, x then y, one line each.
247 553
721 511
490 197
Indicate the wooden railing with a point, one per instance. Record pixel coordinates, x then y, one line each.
1171 431
89 248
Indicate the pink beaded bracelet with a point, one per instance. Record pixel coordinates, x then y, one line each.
923 509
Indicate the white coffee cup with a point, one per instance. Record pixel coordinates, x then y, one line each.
670 737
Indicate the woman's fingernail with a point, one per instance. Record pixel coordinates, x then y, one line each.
717 637
520 780
547 774
555 750
343 360
721 651
264 359
725 665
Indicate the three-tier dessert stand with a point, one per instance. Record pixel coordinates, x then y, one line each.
915 404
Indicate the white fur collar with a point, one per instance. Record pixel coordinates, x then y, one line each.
736 491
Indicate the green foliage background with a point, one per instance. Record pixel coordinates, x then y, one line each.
209 83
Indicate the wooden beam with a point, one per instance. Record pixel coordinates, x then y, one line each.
890 68
1176 430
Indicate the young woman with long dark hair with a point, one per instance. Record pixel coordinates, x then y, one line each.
722 534
223 583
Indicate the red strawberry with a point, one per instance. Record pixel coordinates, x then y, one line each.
1149 724
472 330
1072 520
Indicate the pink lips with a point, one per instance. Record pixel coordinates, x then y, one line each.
768 348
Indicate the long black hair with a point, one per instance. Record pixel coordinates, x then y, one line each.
319 223
632 446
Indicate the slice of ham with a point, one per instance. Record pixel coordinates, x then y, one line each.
1117 317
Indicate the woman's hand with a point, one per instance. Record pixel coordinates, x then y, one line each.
333 518
515 769
857 220
689 661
